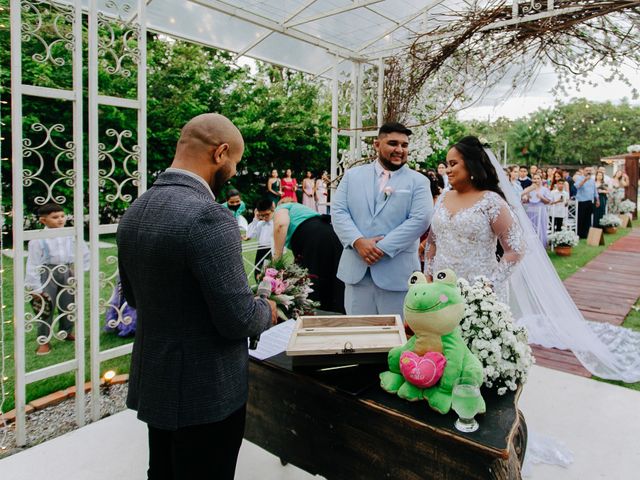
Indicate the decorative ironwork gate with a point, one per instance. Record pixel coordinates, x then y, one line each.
49 166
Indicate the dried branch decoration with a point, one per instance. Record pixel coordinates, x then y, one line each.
465 53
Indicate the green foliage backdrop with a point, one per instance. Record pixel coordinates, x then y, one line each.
281 113
580 132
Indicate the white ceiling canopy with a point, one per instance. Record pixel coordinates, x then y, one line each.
302 34
308 35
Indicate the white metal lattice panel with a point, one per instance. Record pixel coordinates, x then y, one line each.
117 158
46 158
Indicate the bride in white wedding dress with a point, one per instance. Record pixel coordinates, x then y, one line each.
467 222
481 210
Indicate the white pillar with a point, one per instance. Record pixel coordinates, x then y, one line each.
357 133
18 217
78 212
353 120
94 208
334 124
505 153
142 97
380 92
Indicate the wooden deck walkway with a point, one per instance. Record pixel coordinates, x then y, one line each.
604 290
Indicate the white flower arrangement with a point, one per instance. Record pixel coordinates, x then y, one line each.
564 238
633 148
610 220
387 192
488 329
627 206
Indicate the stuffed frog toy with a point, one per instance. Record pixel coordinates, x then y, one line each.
427 366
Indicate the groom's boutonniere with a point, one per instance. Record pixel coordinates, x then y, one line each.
387 192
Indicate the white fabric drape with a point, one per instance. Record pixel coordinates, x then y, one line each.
540 302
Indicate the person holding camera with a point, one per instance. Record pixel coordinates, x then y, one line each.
586 196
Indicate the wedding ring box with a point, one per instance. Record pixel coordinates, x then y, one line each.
338 340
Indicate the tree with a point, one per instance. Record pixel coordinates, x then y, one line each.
284 115
579 132
588 131
285 123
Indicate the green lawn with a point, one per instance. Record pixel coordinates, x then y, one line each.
61 351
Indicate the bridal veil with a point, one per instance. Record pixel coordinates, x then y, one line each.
539 301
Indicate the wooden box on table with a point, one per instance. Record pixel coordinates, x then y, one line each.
336 340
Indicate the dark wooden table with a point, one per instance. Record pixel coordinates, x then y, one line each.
340 424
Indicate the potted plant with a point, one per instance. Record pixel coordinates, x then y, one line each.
563 241
626 209
610 223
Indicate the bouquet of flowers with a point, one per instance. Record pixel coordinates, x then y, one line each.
488 329
564 238
627 206
290 288
610 220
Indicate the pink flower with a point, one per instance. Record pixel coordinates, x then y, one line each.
271 272
387 192
279 287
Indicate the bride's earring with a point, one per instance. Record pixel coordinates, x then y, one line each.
471 177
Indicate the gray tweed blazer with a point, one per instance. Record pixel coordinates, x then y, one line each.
181 267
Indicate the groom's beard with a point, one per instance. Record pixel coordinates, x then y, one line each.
217 182
387 164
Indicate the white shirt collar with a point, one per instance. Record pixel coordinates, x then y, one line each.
192 175
379 169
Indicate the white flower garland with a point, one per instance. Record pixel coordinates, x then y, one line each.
488 329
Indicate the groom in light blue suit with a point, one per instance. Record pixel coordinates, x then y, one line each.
379 212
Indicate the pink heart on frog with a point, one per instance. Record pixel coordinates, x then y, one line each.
422 371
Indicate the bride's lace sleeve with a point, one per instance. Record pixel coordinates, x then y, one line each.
430 252
506 227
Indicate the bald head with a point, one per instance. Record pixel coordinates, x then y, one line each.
211 147
208 131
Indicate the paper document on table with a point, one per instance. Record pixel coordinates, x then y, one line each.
274 340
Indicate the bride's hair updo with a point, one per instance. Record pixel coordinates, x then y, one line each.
478 164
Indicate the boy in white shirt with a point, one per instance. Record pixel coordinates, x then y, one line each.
49 269
558 205
262 228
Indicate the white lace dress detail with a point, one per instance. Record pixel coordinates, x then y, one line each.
466 241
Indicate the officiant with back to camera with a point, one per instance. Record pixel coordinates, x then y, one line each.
189 366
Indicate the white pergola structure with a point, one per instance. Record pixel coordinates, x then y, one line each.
337 39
